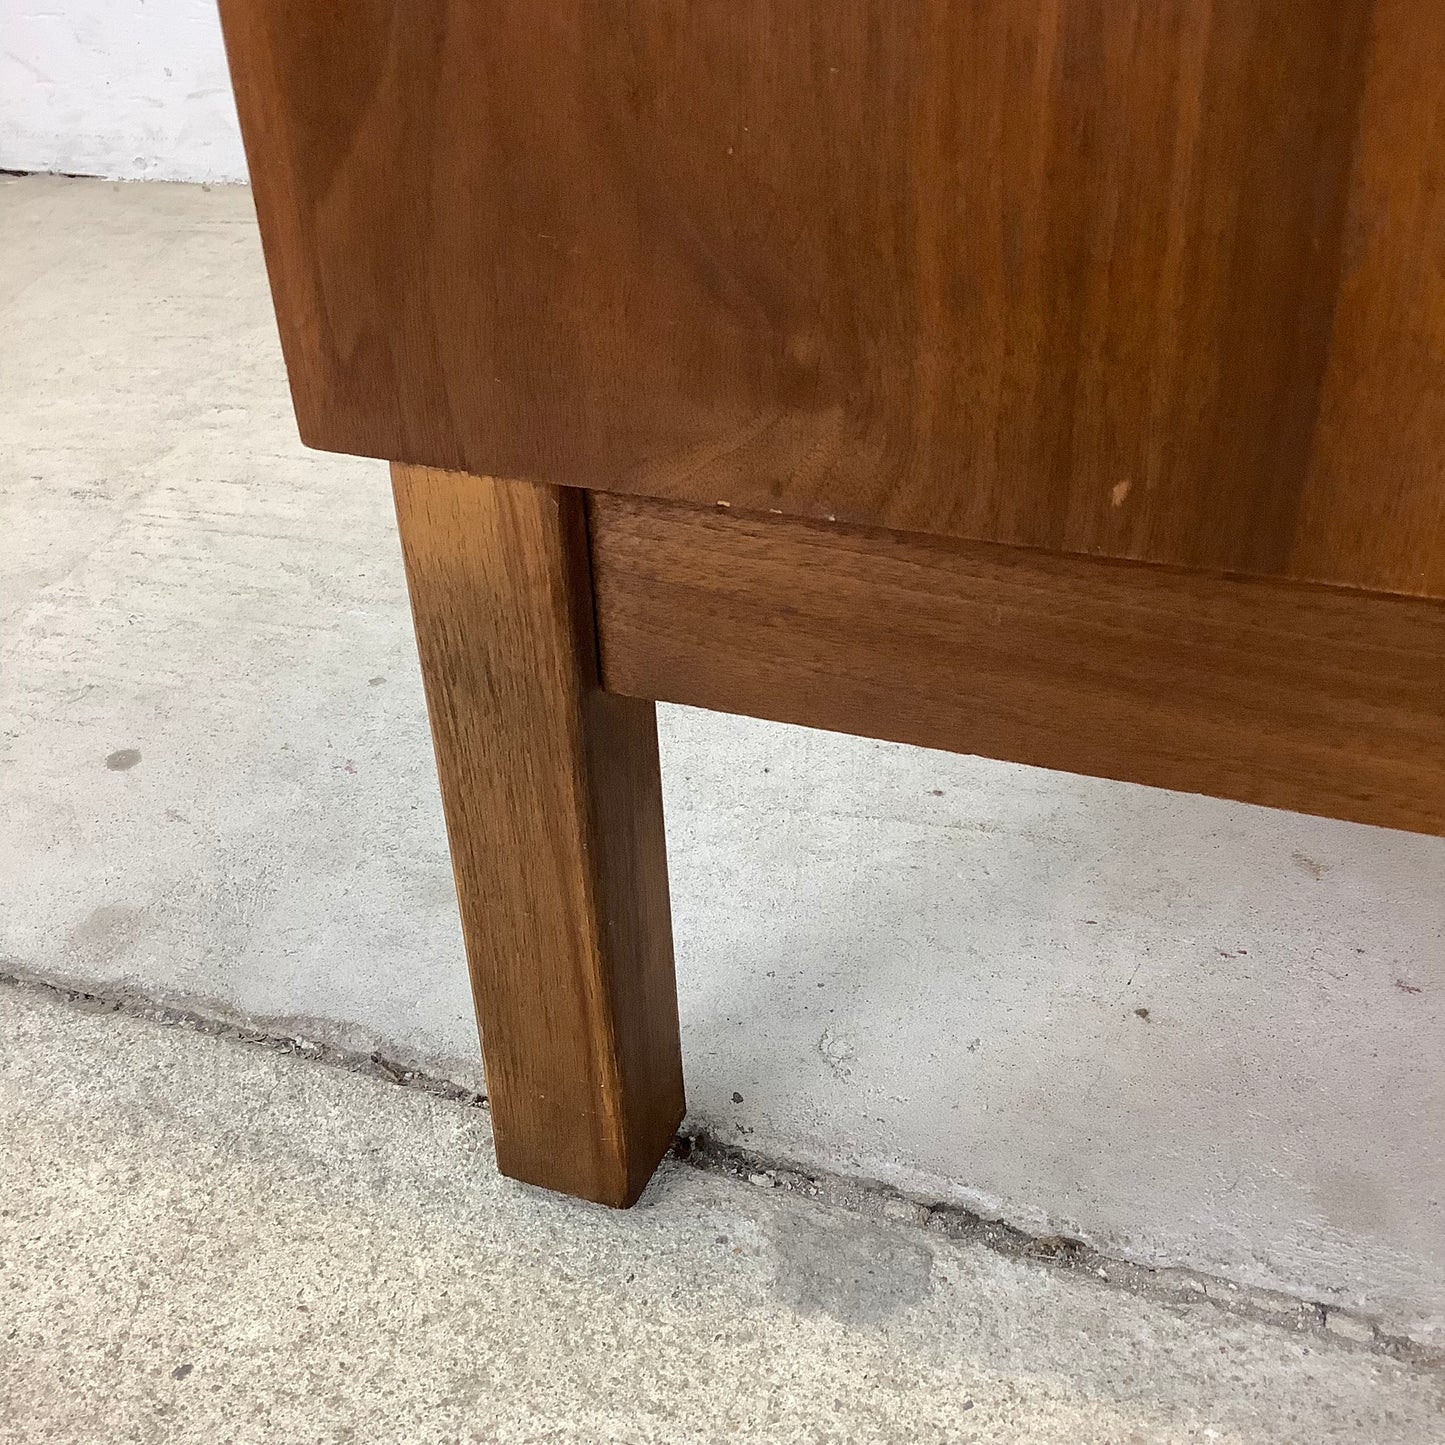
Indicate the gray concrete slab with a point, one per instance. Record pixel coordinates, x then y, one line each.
1187 1031
201 1241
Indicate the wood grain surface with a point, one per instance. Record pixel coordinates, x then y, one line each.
554 814
1146 280
1318 699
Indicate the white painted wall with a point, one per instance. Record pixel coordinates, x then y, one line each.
131 89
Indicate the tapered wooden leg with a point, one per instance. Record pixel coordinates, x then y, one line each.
554 812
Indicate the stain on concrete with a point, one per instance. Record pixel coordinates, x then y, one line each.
1351 1200
122 759
1310 865
375 681
108 930
858 1276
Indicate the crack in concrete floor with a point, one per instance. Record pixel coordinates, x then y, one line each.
867 1200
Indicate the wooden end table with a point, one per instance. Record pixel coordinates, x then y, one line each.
1060 383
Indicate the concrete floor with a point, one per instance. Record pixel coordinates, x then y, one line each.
204 1241
1187 1031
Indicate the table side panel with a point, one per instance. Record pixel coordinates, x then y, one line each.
1149 281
